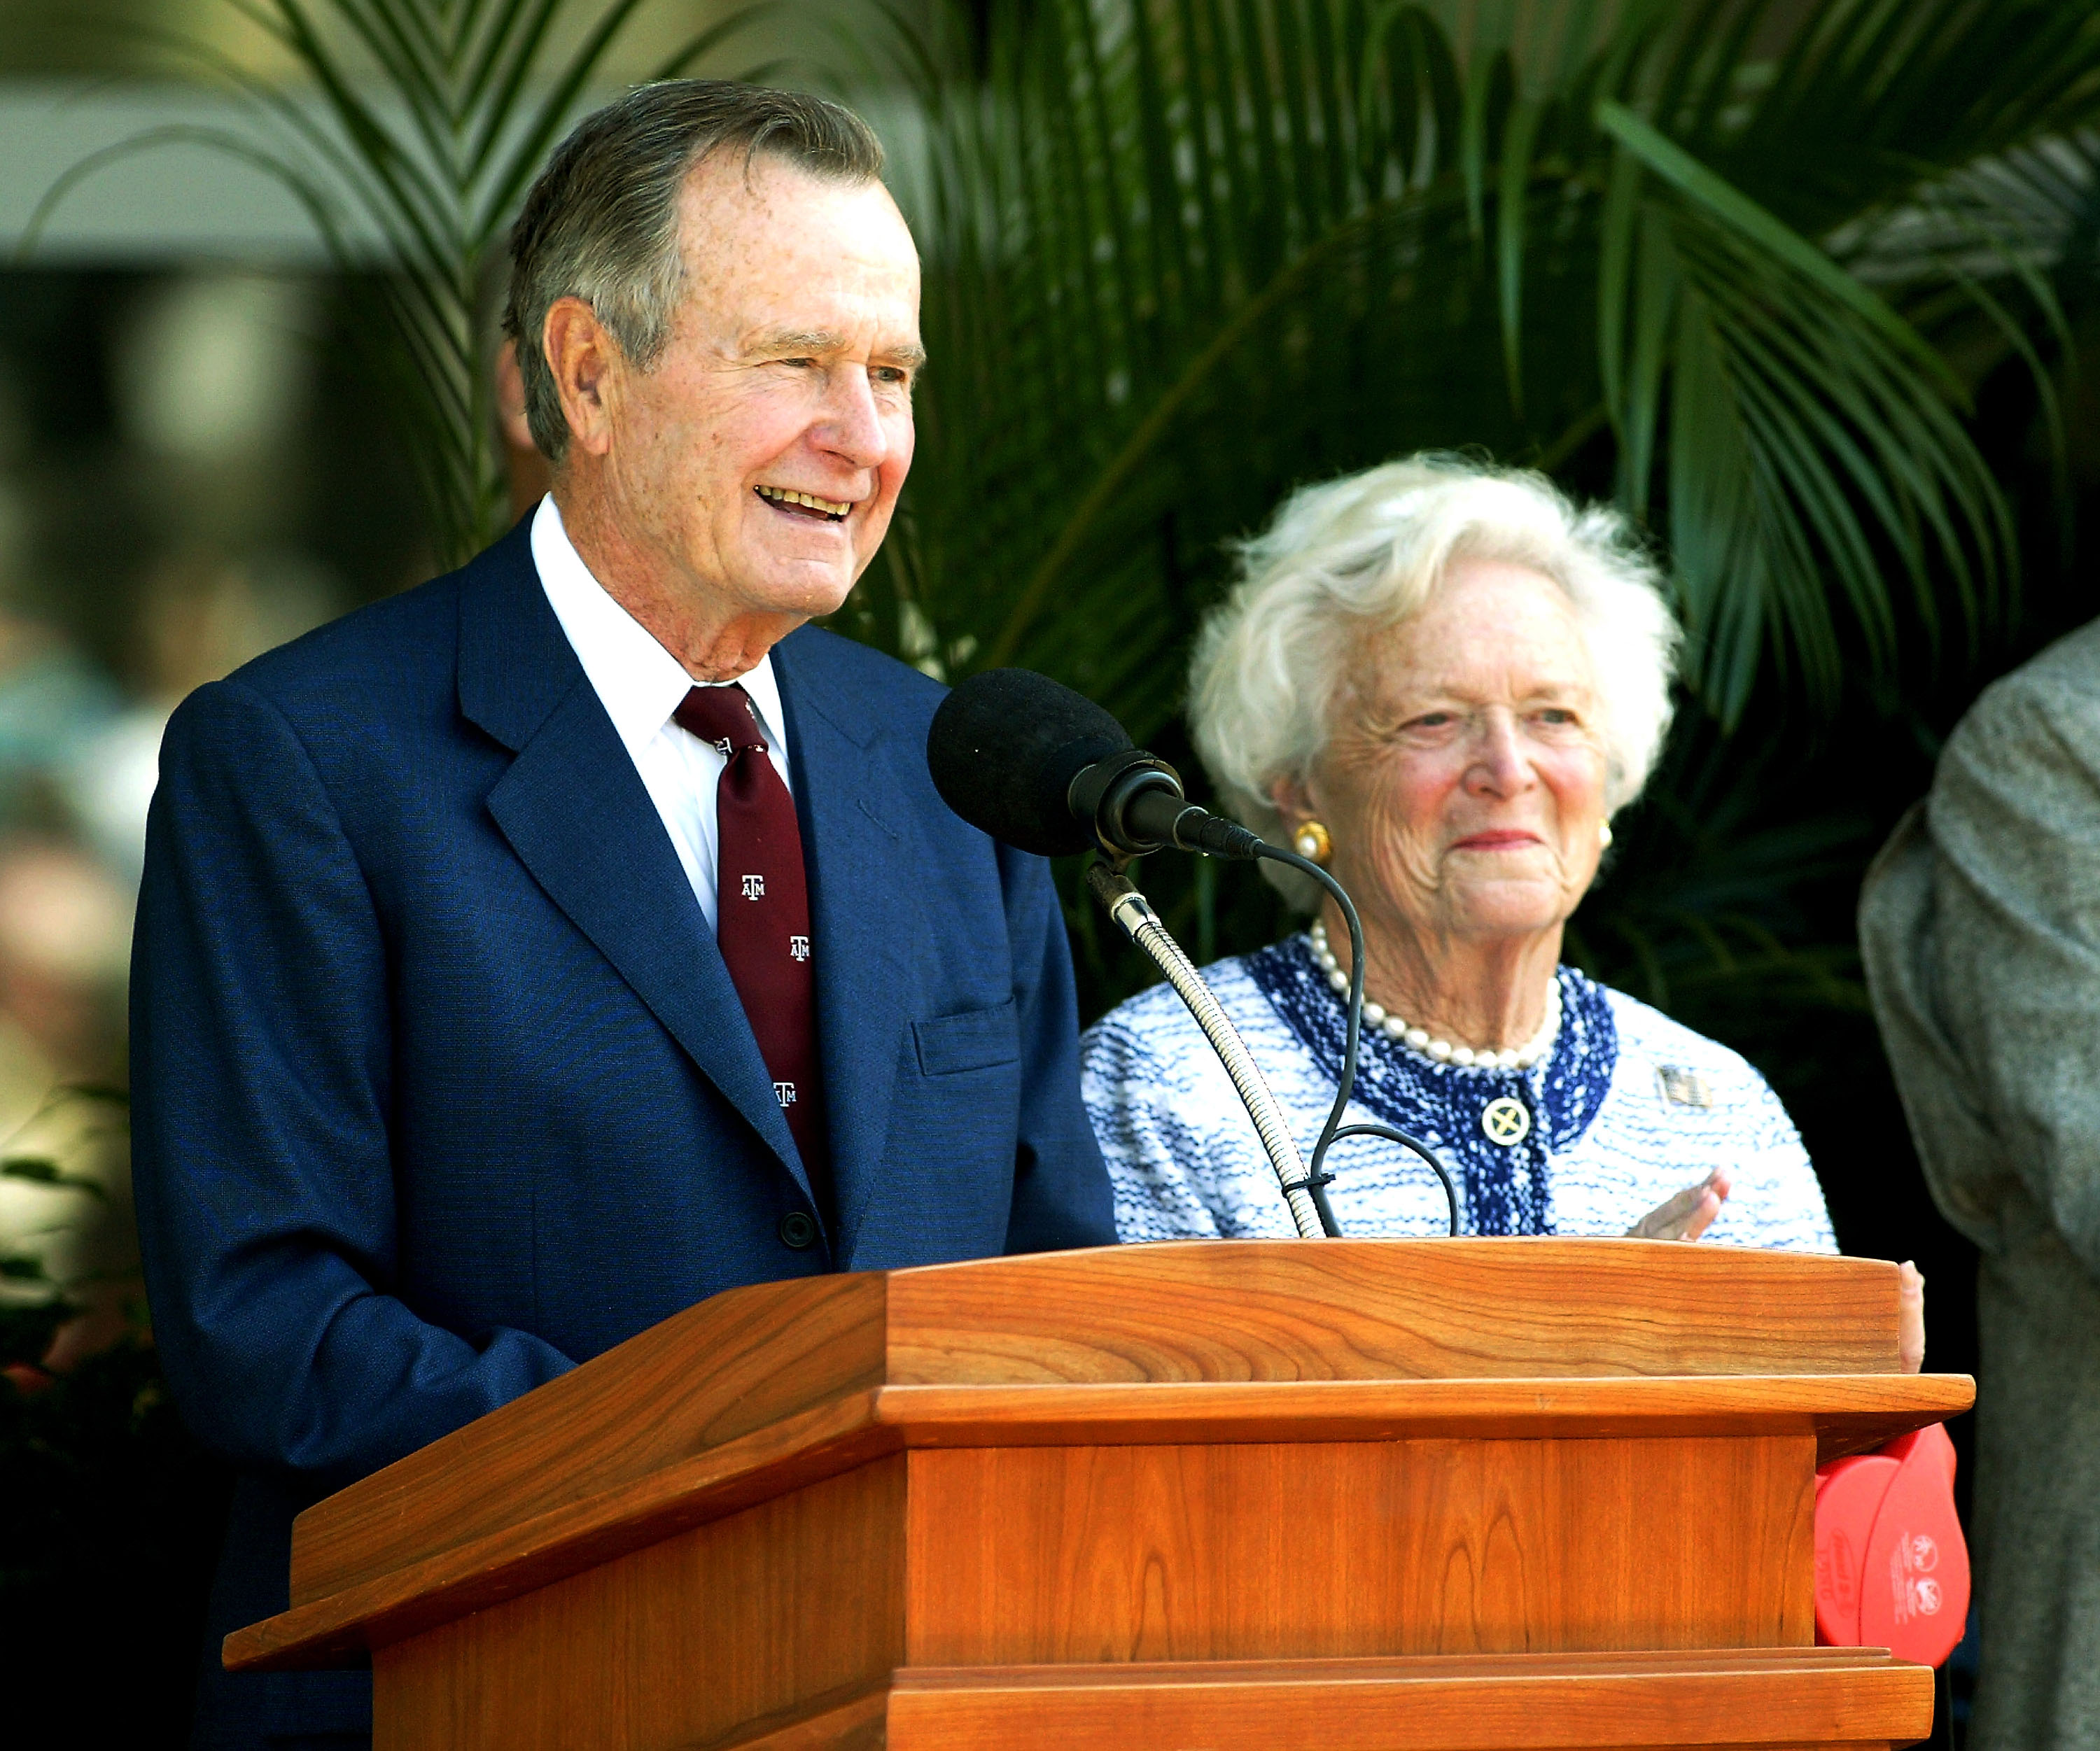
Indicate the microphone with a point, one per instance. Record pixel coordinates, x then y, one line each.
1039 766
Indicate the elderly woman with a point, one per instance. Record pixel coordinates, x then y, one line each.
1440 681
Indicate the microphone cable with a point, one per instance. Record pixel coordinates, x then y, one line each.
1317 1179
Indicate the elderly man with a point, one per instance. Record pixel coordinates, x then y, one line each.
528 957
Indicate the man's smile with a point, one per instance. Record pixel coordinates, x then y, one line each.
804 505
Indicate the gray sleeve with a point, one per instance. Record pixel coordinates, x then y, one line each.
1981 926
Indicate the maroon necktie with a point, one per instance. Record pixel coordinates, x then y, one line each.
762 913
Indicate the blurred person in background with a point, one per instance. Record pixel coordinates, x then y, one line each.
68 1241
54 704
199 616
1980 923
209 372
68 1247
213 376
53 700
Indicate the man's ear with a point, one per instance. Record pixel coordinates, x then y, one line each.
585 361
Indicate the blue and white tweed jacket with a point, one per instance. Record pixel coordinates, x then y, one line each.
1628 1107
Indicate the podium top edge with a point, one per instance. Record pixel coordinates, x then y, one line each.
751 1362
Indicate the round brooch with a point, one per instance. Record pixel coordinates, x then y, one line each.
1506 1122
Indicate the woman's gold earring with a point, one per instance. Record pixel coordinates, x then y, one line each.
1604 836
1312 843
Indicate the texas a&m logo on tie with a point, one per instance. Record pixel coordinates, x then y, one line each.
762 905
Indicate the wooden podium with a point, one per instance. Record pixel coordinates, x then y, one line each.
1355 1494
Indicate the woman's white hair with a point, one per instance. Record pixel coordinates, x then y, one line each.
1362 554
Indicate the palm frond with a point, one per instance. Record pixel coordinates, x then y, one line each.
1183 255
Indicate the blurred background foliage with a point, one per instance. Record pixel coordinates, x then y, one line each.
407 132
1808 286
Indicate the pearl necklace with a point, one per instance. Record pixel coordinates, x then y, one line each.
1442 1050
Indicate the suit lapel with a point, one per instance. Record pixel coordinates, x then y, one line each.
580 818
860 884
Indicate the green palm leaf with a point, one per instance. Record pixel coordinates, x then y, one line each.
1183 255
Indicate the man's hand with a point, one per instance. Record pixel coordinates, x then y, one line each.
1910 1316
1686 1216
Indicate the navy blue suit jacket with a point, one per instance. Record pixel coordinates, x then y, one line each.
441 1085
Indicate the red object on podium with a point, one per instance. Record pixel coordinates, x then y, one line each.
1891 1564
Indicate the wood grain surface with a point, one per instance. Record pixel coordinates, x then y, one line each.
1386 1310
809 1620
531 1549
752 1622
735 1529
1056 1555
1845 1414
1211 1310
860 1725
456 1579
1775 1699
734 1364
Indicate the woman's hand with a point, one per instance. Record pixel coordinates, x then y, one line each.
1686 1216
1910 1316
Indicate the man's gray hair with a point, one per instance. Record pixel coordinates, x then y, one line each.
1362 554
602 223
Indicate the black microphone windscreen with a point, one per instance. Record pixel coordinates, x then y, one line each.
1004 747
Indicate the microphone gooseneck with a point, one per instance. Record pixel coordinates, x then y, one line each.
1034 764
1134 914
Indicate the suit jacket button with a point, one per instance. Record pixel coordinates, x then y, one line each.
798 1229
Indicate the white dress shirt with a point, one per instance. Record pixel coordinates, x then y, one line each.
640 684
